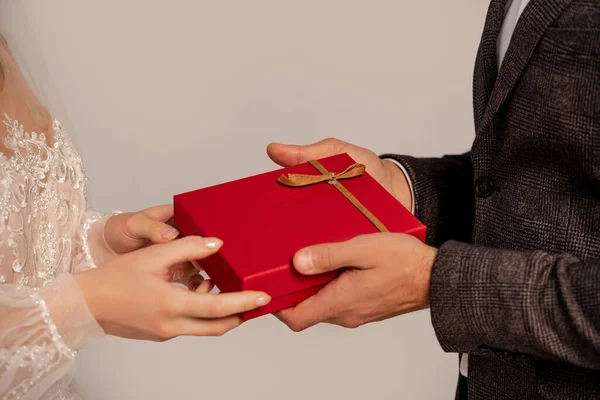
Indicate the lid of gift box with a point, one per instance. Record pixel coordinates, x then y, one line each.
263 223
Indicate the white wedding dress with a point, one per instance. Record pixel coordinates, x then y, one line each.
46 234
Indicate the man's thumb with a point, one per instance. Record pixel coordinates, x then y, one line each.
322 258
288 155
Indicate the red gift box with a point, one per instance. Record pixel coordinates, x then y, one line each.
263 222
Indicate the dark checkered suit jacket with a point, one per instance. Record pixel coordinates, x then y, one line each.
517 280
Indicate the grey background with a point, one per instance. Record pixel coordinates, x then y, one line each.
165 97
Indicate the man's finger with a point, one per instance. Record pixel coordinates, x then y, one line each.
316 309
321 258
288 155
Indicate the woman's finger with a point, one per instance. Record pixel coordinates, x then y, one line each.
162 213
195 282
163 256
204 287
223 304
196 265
207 327
183 273
143 226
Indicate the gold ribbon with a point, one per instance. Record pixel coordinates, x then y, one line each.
300 180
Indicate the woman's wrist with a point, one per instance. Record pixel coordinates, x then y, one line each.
90 293
95 246
69 312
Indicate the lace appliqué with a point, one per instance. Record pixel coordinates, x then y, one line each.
42 198
37 360
42 224
88 260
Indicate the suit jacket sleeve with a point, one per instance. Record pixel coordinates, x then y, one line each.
525 302
443 193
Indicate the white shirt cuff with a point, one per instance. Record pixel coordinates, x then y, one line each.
464 365
410 186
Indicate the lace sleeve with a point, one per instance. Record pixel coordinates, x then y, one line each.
92 249
44 237
40 331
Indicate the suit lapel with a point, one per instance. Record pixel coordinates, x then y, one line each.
536 18
486 66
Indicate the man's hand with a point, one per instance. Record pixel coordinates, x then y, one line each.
388 274
384 171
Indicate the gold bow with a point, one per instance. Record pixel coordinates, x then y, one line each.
299 180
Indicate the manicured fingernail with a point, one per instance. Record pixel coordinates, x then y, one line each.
177 275
263 301
213 243
304 260
170 233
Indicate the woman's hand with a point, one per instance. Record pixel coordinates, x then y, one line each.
131 231
135 230
131 296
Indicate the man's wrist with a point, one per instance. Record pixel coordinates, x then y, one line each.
427 262
400 184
